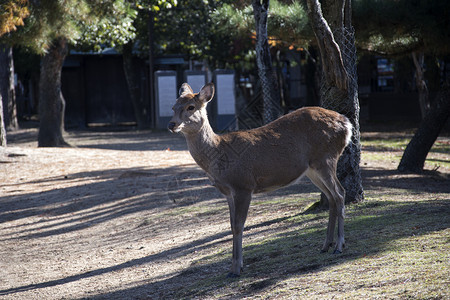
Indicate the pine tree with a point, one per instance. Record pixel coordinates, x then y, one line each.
339 91
49 29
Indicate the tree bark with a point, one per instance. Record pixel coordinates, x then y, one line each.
51 100
266 72
413 159
421 83
132 75
7 88
333 67
2 125
151 82
339 89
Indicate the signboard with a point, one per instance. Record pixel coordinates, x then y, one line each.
166 95
226 101
225 94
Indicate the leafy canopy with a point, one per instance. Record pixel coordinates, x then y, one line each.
12 14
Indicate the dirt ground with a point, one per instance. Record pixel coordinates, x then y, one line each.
125 215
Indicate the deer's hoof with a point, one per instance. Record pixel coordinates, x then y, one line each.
232 275
337 251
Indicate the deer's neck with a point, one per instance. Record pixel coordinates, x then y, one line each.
203 146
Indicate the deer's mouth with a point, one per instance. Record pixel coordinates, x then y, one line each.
174 128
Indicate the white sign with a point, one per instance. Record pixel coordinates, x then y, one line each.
225 94
167 94
196 82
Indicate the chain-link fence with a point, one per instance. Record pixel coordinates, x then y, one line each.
347 104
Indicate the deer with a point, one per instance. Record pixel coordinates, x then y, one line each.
305 142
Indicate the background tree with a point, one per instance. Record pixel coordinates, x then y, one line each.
416 151
7 89
3 141
267 75
51 101
390 28
50 28
339 91
190 28
12 13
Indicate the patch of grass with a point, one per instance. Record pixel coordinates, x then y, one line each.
390 144
395 249
391 149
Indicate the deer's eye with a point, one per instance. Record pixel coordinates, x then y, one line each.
191 107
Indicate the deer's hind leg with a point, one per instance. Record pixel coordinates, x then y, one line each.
326 180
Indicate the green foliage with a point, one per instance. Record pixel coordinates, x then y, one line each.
48 20
287 28
234 21
111 25
83 23
403 26
287 23
188 28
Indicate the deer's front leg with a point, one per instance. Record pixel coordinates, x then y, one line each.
239 203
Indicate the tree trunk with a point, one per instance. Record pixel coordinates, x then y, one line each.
151 83
51 100
421 83
416 152
7 88
267 74
2 125
339 89
312 77
132 75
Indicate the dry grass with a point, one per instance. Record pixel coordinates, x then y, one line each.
110 220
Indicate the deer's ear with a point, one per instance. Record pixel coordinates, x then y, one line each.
185 89
206 93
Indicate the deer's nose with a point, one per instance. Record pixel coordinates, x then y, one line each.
171 126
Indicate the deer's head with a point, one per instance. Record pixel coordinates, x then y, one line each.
189 112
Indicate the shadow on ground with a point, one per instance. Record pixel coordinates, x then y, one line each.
290 253
106 195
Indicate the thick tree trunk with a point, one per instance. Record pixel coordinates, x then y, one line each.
132 75
7 88
421 83
416 152
339 90
51 100
2 126
267 74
